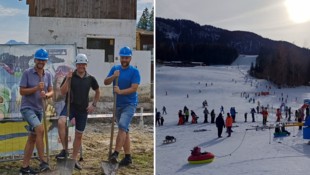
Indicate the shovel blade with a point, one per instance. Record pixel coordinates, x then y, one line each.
109 168
65 166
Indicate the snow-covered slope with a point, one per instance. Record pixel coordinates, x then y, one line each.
246 151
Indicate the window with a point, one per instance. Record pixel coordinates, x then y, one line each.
106 44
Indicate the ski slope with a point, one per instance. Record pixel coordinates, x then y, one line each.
246 151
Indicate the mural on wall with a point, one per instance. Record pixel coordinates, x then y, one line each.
14 59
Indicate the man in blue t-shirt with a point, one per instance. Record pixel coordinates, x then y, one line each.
126 102
35 85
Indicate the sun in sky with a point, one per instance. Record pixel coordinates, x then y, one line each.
298 10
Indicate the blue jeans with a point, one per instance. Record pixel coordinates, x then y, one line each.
124 116
32 117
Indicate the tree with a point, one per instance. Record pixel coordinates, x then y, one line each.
151 20
143 22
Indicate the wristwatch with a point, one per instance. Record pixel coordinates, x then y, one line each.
94 105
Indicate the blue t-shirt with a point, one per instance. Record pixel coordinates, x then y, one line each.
31 79
126 78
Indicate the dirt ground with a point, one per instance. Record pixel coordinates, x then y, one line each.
96 143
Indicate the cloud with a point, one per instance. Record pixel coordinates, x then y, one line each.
5 11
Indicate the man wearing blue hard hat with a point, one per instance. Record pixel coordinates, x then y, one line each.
126 102
35 84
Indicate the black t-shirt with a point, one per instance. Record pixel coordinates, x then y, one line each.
80 88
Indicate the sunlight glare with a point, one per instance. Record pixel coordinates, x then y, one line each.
298 10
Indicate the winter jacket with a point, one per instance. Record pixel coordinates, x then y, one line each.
219 122
229 121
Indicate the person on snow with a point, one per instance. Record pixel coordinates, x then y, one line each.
284 130
257 109
212 116
181 118
162 121
220 125
164 110
299 118
157 118
265 115
186 115
194 117
289 114
277 129
206 113
245 117
233 113
229 122
278 114
253 114
222 109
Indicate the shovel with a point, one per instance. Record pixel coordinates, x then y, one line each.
109 168
66 165
45 131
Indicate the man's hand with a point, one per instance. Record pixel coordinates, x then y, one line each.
116 73
40 86
42 94
117 90
90 109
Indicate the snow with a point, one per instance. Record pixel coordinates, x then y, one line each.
246 151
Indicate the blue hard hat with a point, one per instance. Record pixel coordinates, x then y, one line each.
125 52
41 54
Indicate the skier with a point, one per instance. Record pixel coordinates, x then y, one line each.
222 109
194 117
212 116
164 110
206 113
233 113
229 122
220 125
278 114
157 118
253 114
186 115
245 117
289 114
181 117
162 121
265 115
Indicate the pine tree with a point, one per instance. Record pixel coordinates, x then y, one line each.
143 22
151 20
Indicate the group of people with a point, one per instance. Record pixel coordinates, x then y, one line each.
36 86
159 119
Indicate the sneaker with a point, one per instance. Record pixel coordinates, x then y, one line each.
62 154
125 161
28 171
113 158
77 166
44 166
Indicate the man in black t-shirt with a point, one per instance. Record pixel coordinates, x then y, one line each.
81 82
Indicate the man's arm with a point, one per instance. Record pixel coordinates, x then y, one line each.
50 92
27 91
133 88
96 98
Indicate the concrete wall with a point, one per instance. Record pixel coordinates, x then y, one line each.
43 30
77 30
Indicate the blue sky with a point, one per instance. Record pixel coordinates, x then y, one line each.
14 20
287 20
